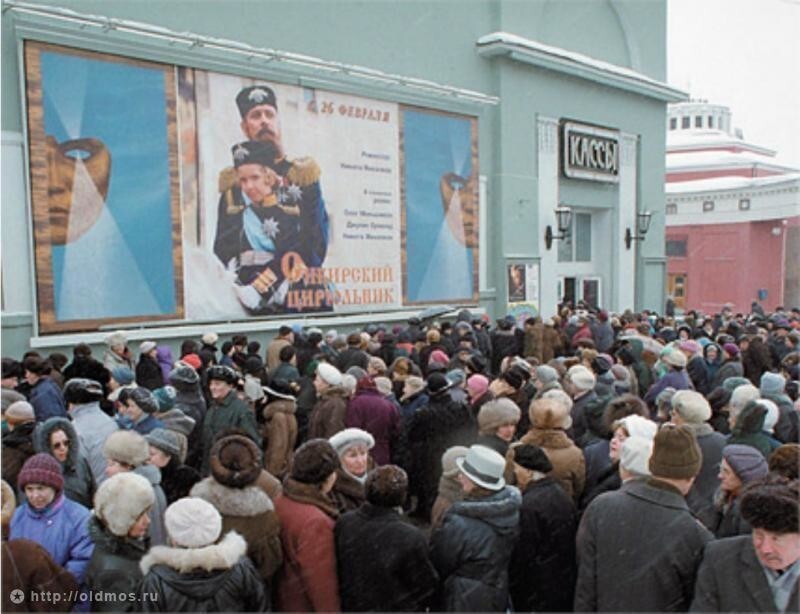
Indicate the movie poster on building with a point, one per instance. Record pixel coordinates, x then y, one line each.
102 137
523 291
298 200
440 182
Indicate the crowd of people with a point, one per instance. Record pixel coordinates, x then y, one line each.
586 462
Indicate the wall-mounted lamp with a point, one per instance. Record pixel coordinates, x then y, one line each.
564 220
642 226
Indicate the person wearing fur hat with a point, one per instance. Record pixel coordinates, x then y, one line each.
177 479
579 383
756 572
57 437
383 562
148 371
450 489
128 451
623 562
119 528
472 548
330 408
91 423
353 445
47 517
675 376
45 395
189 400
740 465
785 461
226 411
136 411
550 420
20 419
433 428
233 489
497 424
280 428
372 412
542 570
117 353
749 428
308 579
28 567
198 571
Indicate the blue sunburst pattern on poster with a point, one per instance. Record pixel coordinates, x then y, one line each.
437 148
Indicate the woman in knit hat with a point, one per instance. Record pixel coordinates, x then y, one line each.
353 447
137 407
29 567
47 517
128 451
177 479
18 444
308 580
740 465
174 419
198 572
497 424
233 489
57 437
731 365
119 529
450 489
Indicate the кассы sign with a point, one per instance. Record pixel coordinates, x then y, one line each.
589 152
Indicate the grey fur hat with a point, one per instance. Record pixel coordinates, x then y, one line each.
121 499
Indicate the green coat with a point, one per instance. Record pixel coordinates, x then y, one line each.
231 412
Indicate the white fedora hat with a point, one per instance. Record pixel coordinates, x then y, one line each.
483 466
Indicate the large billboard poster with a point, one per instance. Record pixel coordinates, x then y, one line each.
105 208
164 192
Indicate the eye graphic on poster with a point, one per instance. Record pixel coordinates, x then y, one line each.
105 208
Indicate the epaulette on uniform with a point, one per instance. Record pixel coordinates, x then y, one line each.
304 171
227 179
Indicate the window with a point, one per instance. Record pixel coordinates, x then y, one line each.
708 205
577 247
698 121
676 248
744 204
671 209
673 123
685 122
710 121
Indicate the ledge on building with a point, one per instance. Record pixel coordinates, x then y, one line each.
527 51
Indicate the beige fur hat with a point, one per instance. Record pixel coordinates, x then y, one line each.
121 499
691 406
127 447
549 414
497 413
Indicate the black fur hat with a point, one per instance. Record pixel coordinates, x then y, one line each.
772 503
387 486
314 461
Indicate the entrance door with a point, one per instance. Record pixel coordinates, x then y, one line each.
566 290
676 287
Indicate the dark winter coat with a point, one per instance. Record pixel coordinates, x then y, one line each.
679 380
177 480
383 562
731 579
623 564
189 399
373 413
609 481
348 493
472 549
505 343
79 483
17 448
27 566
435 427
88 368
352 357
280 436
493 442
251 513
749 429
230 412
47 400
730 368
728 521
114 568
787 429
701 496
756 360
577 413
543 568
217 578
148 373
328 415
597 462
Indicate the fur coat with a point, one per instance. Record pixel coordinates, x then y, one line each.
569 467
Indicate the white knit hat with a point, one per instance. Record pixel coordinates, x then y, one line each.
121 499
635 455
691 406
772 415
581 377
346 439
329 374
210 338
192 523
637 426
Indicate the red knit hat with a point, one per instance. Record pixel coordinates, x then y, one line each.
41 469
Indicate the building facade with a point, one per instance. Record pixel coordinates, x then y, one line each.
733 215
566 103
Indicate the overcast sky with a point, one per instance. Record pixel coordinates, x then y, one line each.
744 54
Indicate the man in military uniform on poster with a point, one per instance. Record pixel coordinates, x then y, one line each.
269 207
